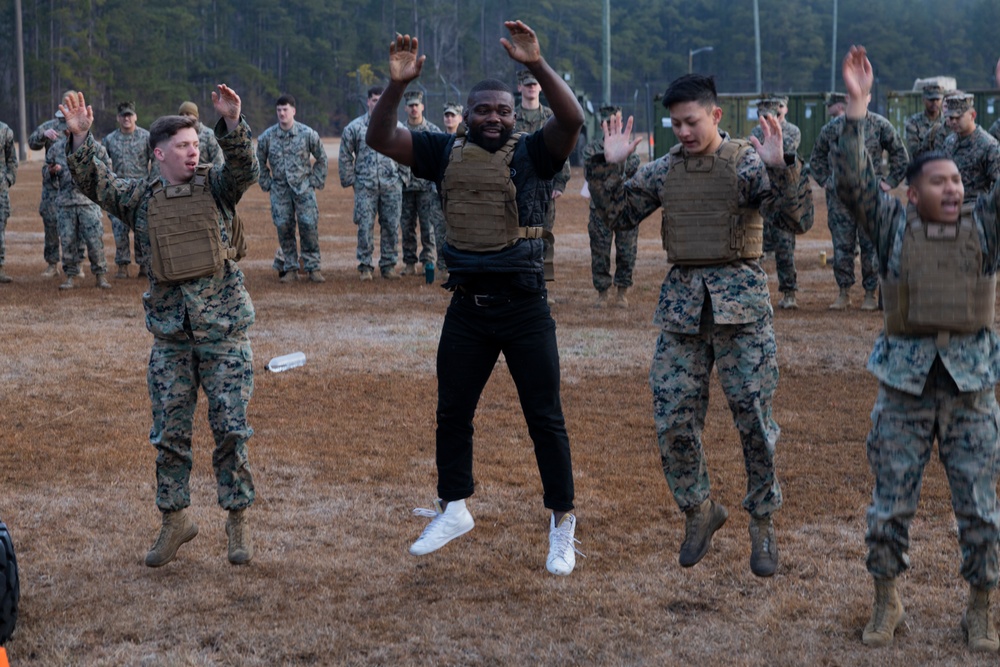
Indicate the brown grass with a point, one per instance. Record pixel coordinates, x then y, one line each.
344 449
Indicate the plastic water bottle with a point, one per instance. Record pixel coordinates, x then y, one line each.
284 362
429 273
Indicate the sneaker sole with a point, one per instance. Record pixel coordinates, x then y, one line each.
420 552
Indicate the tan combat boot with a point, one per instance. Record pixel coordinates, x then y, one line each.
177 529
289 277
763 547
843 301
316 277
366 274
122 272
390 273
700 524
621 301
788 301
602 299
977 621
870 303
51 271
409 270
887 614
240 546
101 282
68 283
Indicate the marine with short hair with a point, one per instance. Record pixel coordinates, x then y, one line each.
208 146
420 200
601 234
452 117
131 157
293 166
8 175
198 318
714 305
925 130
937 362
976 153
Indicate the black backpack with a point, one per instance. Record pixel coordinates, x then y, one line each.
10 590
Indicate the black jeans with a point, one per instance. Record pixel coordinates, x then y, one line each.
476 330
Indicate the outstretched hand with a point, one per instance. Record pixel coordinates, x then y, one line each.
227 103
618 142
772 149
78 116
404 65
523 43
857 71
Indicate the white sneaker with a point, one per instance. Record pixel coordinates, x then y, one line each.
562 550
445 526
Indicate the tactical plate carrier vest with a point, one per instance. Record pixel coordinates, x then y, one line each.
184 236
703 223
941 287
480 199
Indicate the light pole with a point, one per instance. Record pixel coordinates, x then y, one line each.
692 53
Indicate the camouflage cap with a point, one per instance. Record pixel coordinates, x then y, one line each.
933 91
778 99
59 114
767 104
188 109
452 108
957 103
524 77
608 111
413 97
126 108
835 98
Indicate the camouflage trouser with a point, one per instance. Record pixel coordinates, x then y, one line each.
426 205
386 202
904 428
782 244
4 214
626 243
224 370
846 237
288 210
122 254
50 222
744 355
81 226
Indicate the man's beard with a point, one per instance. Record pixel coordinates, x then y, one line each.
492 145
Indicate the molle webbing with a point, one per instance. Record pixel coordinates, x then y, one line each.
703 223
184 236
941 288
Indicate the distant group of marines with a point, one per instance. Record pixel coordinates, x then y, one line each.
936 255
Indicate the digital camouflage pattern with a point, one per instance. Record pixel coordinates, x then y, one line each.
79 219
131 157
421 200
378 190
208 146
780 242
924 134
601 236
978 160
879 136
927 391
50 189
995 129
291 178
709 315
8 175
199 328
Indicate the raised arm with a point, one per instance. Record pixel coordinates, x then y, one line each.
563 128
384 133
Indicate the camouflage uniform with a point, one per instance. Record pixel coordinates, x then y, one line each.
995 129
378 188
286 173
601 236
420 198
209 151
50 190
530 120
712 315
80 219
131 157
879 136
777 240
927 390
978 160
924 134
8 174
199 331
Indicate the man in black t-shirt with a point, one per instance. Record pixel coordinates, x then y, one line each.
495 186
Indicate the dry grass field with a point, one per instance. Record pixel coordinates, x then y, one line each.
344 449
